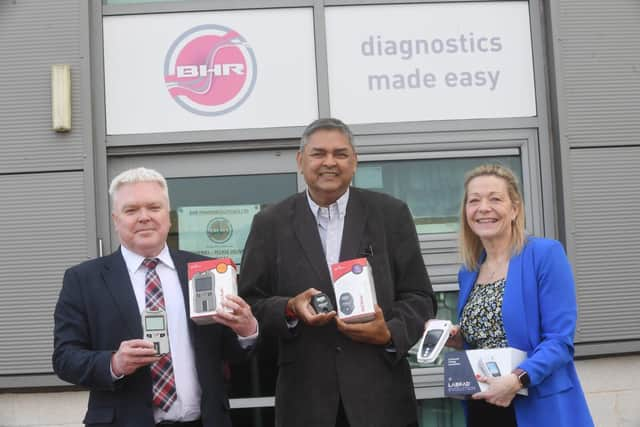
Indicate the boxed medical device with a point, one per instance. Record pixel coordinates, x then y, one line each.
461 368
354 289
209 282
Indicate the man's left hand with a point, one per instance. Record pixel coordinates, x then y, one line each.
240 319
372 332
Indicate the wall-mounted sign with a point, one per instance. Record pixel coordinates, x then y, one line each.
215 231
210 70
207 71
438 61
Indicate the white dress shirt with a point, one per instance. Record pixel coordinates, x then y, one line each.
330 222
187 405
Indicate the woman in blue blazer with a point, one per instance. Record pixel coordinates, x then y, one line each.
516 291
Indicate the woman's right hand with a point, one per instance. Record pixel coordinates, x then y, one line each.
455 338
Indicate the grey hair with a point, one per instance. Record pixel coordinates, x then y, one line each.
136 175
326 124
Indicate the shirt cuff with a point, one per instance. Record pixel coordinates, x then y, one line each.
249 341
291 324
114 377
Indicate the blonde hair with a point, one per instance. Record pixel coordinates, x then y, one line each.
133 176
470 245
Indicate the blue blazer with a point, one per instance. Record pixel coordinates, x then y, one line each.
539 314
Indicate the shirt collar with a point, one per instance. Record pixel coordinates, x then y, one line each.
134 261
341 202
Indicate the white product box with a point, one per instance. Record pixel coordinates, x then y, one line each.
209 282
461 368
355 290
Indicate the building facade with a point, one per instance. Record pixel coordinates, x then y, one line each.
430 89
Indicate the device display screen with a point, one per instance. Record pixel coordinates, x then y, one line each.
154 323
493 369
431 340
203 284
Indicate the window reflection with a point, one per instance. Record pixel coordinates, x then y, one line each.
432 188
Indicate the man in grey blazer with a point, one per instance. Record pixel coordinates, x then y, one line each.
332 373
98 324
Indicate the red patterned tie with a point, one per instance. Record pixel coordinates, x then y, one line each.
164 383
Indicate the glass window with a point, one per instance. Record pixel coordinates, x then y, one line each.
211 215
432 188
440 413
256 417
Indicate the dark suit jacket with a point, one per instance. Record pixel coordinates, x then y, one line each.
318 365
95 312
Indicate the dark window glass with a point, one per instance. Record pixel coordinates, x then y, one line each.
432 188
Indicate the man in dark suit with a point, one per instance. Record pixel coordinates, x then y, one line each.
332 373
98 324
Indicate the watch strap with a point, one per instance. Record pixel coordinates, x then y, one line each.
523 377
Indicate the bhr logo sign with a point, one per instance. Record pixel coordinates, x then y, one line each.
210 70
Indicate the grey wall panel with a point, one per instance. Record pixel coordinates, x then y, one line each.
441 259
43 231
599 64
32 38
606 233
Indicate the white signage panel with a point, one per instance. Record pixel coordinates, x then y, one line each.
438 61
206 71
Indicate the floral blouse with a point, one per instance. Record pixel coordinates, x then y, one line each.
481 318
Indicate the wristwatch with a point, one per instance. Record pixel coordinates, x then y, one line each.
523 377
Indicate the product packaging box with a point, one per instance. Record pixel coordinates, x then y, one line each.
461 367
209 282
354 289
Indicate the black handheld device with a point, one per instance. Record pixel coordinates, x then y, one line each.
321 303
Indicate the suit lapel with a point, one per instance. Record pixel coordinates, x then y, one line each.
513 307
116 278
306 230
467 279
353 231
180 263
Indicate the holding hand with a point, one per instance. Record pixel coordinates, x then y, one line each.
300 305
240 319
455 338
501 390
372 332
131 355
